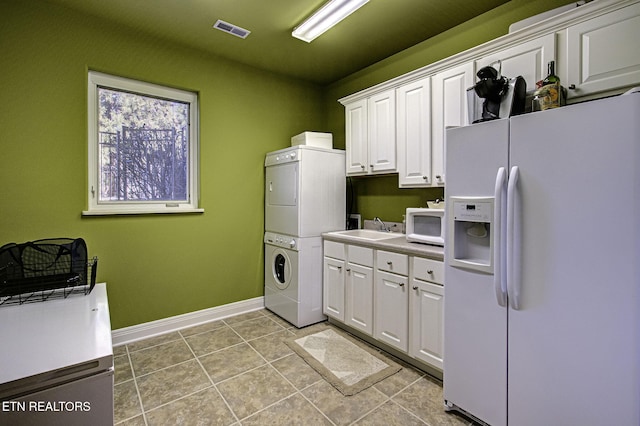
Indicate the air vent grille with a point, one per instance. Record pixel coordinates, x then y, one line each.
231 29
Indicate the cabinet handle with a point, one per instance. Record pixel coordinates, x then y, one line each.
415 287
389 263
371 165
339 268
425 177
362 166
438 177
401 284
430 271
348 269
572 87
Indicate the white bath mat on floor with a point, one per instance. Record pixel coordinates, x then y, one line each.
348 364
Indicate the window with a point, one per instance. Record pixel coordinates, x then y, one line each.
143 147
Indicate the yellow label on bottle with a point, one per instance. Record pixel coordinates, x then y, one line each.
549 96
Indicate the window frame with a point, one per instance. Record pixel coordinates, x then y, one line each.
97 80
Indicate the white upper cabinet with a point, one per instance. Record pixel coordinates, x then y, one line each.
371 134
596 50
413 130
357 155
604 53
449 109
528 60
382 132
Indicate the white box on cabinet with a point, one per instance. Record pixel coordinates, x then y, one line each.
317 139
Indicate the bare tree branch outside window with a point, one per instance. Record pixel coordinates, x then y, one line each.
143 147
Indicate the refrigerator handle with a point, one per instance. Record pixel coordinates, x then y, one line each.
499 272
513 240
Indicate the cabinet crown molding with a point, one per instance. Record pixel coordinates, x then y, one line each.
554 24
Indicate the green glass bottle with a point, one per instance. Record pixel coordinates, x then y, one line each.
551 77
550 93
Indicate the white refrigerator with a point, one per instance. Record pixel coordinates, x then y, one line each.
542 267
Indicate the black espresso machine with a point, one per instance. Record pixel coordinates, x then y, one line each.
495 96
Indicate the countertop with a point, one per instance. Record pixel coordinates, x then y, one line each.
397 244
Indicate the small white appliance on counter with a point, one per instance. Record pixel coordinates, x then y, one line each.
425 225
542 295
56 362
305 195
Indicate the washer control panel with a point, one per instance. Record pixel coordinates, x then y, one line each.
280 240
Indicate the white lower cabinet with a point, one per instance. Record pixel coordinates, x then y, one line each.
359 289
391 313
333 288
426 310
348 285
395 298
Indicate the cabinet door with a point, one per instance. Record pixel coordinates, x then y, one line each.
413 130
359 298
391 310
449 108
333 288
357 139
427 322
603 53
528 60
382 132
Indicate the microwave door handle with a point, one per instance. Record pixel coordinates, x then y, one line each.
499 272
513 239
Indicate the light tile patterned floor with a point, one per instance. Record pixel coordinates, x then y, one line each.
238 371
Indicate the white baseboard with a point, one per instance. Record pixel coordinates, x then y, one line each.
123 336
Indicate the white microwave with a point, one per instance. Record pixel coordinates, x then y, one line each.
425 225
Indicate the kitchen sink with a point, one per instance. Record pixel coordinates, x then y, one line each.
368 234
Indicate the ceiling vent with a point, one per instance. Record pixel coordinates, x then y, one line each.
231 29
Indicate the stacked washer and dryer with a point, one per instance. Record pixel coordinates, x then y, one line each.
305 195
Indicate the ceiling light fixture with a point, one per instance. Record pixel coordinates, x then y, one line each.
325 18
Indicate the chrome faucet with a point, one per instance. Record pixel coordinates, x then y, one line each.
383 227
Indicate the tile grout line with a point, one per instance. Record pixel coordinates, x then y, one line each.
135 382
283 328
213 384
389 398
269 363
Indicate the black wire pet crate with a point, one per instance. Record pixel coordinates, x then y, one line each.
40 270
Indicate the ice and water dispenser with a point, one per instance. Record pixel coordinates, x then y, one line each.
471 237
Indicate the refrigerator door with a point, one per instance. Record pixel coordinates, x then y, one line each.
475 337
574 341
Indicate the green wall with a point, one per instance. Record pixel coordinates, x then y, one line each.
164 265
380 196
155 266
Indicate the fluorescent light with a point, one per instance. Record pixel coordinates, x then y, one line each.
326 17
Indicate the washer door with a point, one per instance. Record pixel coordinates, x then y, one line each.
281 269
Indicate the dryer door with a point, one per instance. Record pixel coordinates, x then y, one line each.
281 198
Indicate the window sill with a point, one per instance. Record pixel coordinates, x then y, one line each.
140 211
